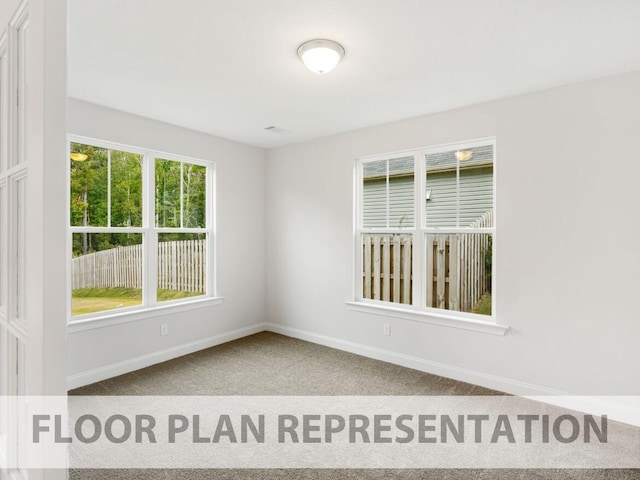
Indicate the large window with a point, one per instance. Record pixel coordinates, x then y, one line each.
141 228
425 230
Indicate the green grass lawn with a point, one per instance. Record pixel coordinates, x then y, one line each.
92 300
484 305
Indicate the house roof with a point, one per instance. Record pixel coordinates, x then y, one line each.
482 155
440 161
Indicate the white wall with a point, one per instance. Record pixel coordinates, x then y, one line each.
568 242
567 259
103 352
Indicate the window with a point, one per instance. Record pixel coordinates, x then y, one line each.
425 230
141 228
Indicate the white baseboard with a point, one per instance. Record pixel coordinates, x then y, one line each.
624 409
120 368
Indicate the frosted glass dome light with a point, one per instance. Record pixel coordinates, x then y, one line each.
320 56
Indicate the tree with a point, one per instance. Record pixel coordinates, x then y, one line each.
88 189
106 191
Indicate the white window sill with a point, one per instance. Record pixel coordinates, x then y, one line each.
443 319
115 317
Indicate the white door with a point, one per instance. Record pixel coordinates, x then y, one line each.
32 211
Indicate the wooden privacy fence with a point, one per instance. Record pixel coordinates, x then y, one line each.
116 267
458 277
387 264
181 266
456 280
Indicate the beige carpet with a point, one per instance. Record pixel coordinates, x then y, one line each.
271 364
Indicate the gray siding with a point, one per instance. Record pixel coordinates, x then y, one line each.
476 197
400 204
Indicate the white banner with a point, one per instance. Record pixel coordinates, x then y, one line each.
309 432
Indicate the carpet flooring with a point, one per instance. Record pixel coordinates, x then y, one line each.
271 364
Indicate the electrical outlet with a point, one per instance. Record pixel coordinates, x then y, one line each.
164 329
386 330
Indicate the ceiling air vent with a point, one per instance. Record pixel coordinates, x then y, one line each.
278 130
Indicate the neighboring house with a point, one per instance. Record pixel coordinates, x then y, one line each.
475 195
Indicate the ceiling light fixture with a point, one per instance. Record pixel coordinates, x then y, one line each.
462 155
78 157
320 56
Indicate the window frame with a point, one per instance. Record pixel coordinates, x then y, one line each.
150 306
418 311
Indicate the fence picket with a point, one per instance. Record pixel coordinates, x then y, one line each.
454 268
441 263
376 268
430 269
174 267
396 268
406 270
386 269
367 267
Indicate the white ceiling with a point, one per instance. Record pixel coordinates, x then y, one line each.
229 67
